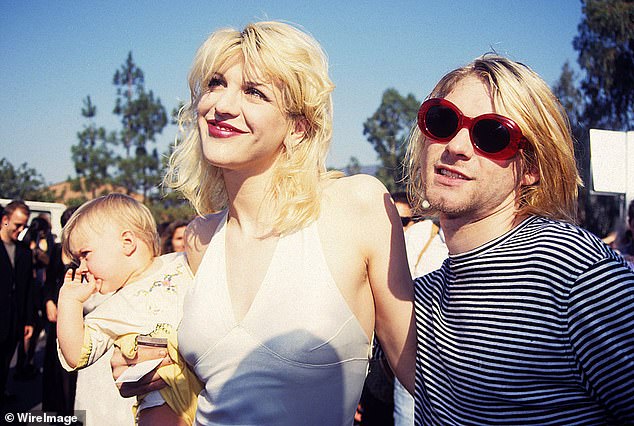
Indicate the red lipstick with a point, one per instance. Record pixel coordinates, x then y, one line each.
221 129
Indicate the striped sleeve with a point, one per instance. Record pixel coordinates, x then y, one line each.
601 313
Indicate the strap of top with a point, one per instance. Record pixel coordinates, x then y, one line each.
434 231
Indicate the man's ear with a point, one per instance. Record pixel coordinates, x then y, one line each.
529 168
128 242
531 177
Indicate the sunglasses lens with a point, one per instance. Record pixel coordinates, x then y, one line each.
441 122
490 135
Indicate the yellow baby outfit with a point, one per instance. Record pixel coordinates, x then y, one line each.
183 386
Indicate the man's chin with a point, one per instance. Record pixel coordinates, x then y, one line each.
448 209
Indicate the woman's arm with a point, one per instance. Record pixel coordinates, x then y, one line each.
197 238
383 245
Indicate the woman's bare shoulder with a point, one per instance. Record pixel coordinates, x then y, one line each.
351 205
198 235
355 191
203 227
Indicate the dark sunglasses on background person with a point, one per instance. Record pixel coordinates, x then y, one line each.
492 135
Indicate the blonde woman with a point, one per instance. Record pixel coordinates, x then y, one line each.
296 267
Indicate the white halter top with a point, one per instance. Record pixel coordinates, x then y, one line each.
299 355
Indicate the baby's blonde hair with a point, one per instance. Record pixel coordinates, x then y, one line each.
111 210
295 63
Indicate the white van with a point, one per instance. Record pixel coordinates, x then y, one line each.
52 211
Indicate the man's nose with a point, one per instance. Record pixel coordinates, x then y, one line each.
460 145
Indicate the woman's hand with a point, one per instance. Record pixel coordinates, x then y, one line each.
151 381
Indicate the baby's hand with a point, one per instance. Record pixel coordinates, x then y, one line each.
81 287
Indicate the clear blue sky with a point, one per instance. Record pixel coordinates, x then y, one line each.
55 53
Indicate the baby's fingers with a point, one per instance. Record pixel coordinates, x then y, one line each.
68 277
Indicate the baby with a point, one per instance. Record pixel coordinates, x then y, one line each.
114 241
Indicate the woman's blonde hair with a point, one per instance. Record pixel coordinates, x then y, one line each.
111 210
520 94
296 64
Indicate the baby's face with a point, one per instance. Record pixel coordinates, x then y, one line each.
100 254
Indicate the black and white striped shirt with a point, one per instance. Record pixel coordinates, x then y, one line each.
533 328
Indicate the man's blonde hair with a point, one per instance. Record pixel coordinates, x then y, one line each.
520 94
111 210
295 63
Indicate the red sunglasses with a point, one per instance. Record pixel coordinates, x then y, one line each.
492 135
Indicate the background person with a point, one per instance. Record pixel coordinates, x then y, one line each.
530 319
16 280
173 237
58 385
424 240
41 242
624 242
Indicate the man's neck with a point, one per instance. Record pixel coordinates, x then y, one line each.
6 238
465 234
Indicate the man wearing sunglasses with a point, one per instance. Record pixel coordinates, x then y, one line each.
531 319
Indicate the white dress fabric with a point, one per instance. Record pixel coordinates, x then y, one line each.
299 355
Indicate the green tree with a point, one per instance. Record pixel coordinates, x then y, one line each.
143 117
387 130
604 98
596 212
168 205
353 167
91 155
175 113
23 183
606 54
567 91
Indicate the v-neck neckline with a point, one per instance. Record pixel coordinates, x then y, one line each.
224 268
